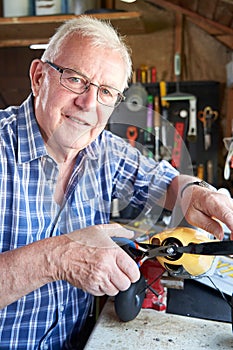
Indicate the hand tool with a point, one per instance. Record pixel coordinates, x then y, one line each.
149 119
178 114
157 127
144 70
179 96
134 77
143 76
164 106
153 74
140 252
139 75
207 116
210 171
192 130
132 134
201 171
229 162
177 147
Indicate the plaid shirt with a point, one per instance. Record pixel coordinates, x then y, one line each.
52 316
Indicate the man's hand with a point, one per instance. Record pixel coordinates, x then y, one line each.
89 259
207 209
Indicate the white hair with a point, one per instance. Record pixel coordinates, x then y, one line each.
101 33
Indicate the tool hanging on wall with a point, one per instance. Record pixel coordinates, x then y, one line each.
165 148
132 134
207 116
177 148
136 97
144 74
149 119
176 134
228 142
181 96
157 127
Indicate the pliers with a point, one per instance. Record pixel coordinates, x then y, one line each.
140 252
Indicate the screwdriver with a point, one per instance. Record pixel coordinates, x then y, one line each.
156 127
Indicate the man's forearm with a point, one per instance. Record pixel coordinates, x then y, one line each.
25 269
175 188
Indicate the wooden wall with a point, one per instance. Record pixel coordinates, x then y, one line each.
204 57
14 78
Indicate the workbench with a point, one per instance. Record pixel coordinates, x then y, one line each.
153 329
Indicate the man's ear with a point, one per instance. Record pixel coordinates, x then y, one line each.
36 71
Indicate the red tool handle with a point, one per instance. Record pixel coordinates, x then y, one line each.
177 148
132 134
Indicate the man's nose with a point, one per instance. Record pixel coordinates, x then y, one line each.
88 99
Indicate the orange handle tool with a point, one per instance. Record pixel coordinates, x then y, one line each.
132 134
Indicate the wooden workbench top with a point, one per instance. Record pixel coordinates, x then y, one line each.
158 330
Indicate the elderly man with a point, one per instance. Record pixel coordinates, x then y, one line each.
59 172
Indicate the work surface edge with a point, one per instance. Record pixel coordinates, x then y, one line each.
153 329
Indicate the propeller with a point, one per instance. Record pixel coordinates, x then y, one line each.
207 248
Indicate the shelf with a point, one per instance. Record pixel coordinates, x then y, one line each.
23 31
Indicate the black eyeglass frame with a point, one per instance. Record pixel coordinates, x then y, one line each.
120 96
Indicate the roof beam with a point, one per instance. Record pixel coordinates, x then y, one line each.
193 15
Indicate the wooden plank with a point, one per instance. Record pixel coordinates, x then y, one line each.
206 26
109 4
23 31
170 6
224 13
207 8
228 1
225 39
191 5
61 18
229 116
179 33
22 42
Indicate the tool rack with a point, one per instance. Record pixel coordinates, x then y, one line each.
203 162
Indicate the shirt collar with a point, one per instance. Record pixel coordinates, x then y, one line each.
93 150
30 141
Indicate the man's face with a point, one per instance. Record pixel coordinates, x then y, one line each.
69 121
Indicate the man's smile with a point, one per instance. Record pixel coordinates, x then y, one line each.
78 121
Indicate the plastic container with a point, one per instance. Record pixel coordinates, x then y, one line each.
12 8
47 7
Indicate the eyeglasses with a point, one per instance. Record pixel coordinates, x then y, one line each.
79 83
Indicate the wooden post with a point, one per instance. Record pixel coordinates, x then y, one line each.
229 113
108 4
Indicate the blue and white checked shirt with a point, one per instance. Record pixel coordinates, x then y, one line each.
52 316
